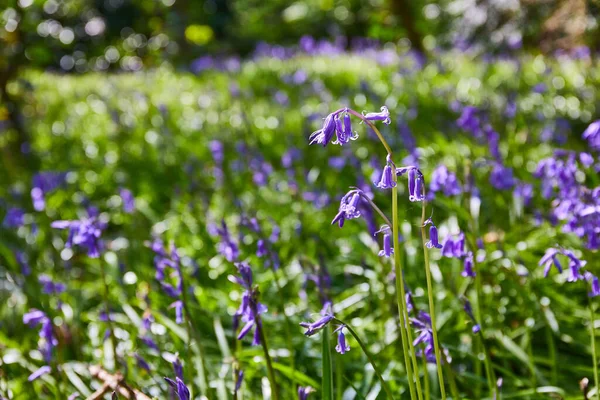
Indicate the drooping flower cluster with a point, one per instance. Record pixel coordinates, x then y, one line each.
341 127
250 308
575 263
169 275
574 204
47 339
422 323
85 232
228 248
349 207
576 270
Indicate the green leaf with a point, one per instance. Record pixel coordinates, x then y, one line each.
327 380
296 376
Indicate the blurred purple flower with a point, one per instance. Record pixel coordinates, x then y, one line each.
43 183
501 177
50 287
85 232
14 218
181 390
468 266
303 392
128 200
444 180
250 308
592 135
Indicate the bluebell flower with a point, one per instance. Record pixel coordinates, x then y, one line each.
342 347
314 327
469 120
444 180
181 390
324 135
415 182
387 179
141 362
128 200
227 247
595 285
178 367
49 286
575 265
433 236
303 392
592 135
468 266
550 259
14 218
387 250
239 380
502 177
383 115
47 341
454 247
23 262
250 308
469 310
344 131
348 207
423 325
85 232
261 248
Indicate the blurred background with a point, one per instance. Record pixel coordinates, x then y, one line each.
77 36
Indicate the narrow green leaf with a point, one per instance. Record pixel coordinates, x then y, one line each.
296 376
327 381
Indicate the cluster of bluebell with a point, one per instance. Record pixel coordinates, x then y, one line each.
85 232
169 274
250 308
47 340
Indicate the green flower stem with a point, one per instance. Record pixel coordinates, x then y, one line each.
401 295
384 384
436 343
270 370
400 292
593 338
